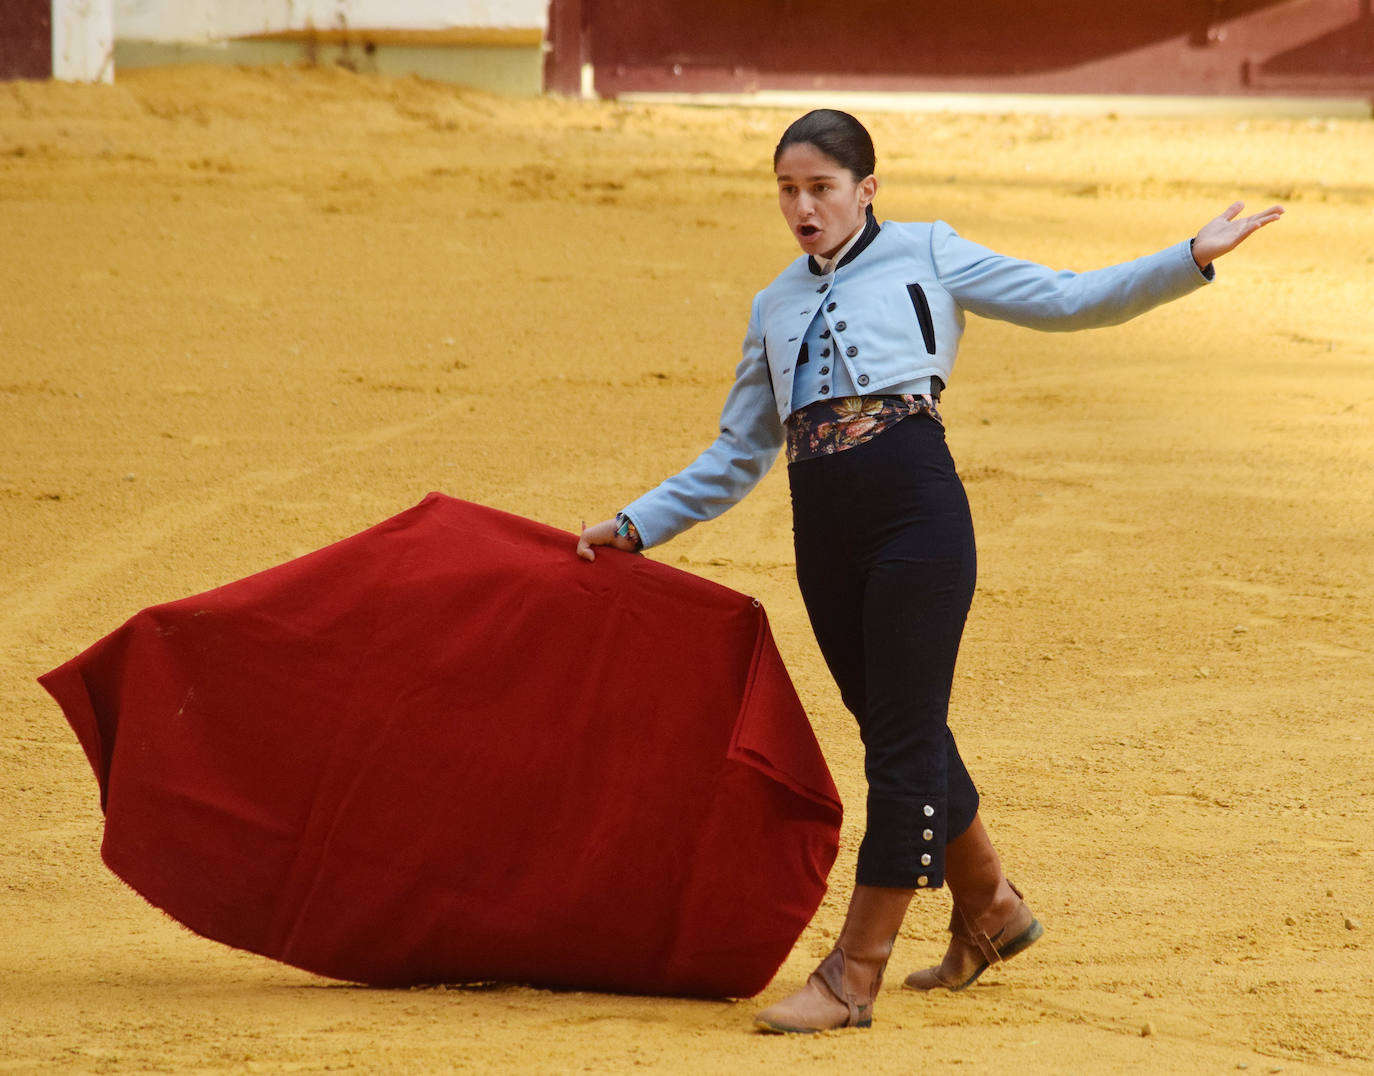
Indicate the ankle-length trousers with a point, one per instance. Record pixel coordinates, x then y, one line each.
886 565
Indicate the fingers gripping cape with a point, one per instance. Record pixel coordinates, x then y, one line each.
448 750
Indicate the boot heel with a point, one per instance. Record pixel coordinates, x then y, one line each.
1024 940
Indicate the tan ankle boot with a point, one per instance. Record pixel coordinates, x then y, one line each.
976 944
991 922
841 990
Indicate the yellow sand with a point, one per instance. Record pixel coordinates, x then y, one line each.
246 313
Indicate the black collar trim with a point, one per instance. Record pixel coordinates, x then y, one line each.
870 233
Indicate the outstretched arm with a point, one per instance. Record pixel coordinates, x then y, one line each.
1025 293
1226 232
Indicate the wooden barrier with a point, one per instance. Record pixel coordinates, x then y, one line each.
1208 47
25 39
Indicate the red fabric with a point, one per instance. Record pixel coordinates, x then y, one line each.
446 749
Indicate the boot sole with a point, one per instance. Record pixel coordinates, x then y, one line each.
1021 942
780 1029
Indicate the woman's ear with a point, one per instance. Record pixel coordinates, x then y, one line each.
868 188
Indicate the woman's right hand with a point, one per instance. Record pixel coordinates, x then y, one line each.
602 533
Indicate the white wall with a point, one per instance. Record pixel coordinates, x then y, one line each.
83 40
217 20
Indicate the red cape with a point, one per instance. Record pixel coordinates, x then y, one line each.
448 750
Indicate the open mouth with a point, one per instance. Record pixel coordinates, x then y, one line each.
806 231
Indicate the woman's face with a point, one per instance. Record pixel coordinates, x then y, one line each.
820 199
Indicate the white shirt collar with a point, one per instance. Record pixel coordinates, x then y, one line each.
827 265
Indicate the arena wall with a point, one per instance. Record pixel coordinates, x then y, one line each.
223 20
65 39
493 45
1194 47
496 45
25 39
604 48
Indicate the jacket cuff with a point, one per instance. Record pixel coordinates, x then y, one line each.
631 513
1209 271
626 527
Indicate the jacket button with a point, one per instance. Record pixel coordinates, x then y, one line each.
928 834
825 354
923 881
851 351
840 326
823 288
825 335
824 370
825 390
830 306
929 810
925 860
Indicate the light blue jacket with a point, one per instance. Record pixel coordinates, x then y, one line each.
894 312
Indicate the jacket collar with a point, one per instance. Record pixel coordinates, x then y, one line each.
870 233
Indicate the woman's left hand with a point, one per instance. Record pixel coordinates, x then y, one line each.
1226 232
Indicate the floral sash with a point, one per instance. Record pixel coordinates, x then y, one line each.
830 426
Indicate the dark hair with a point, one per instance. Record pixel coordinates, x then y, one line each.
838 135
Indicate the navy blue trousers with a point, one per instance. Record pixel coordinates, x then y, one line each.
886 566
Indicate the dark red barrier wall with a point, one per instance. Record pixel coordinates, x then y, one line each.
25 39
1048 46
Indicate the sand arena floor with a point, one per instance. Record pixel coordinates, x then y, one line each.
246 313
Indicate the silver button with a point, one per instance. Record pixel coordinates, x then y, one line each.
929 810
922 881
825 390
929 835
851 351
925 860
824 370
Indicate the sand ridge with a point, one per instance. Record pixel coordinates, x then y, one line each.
244 313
